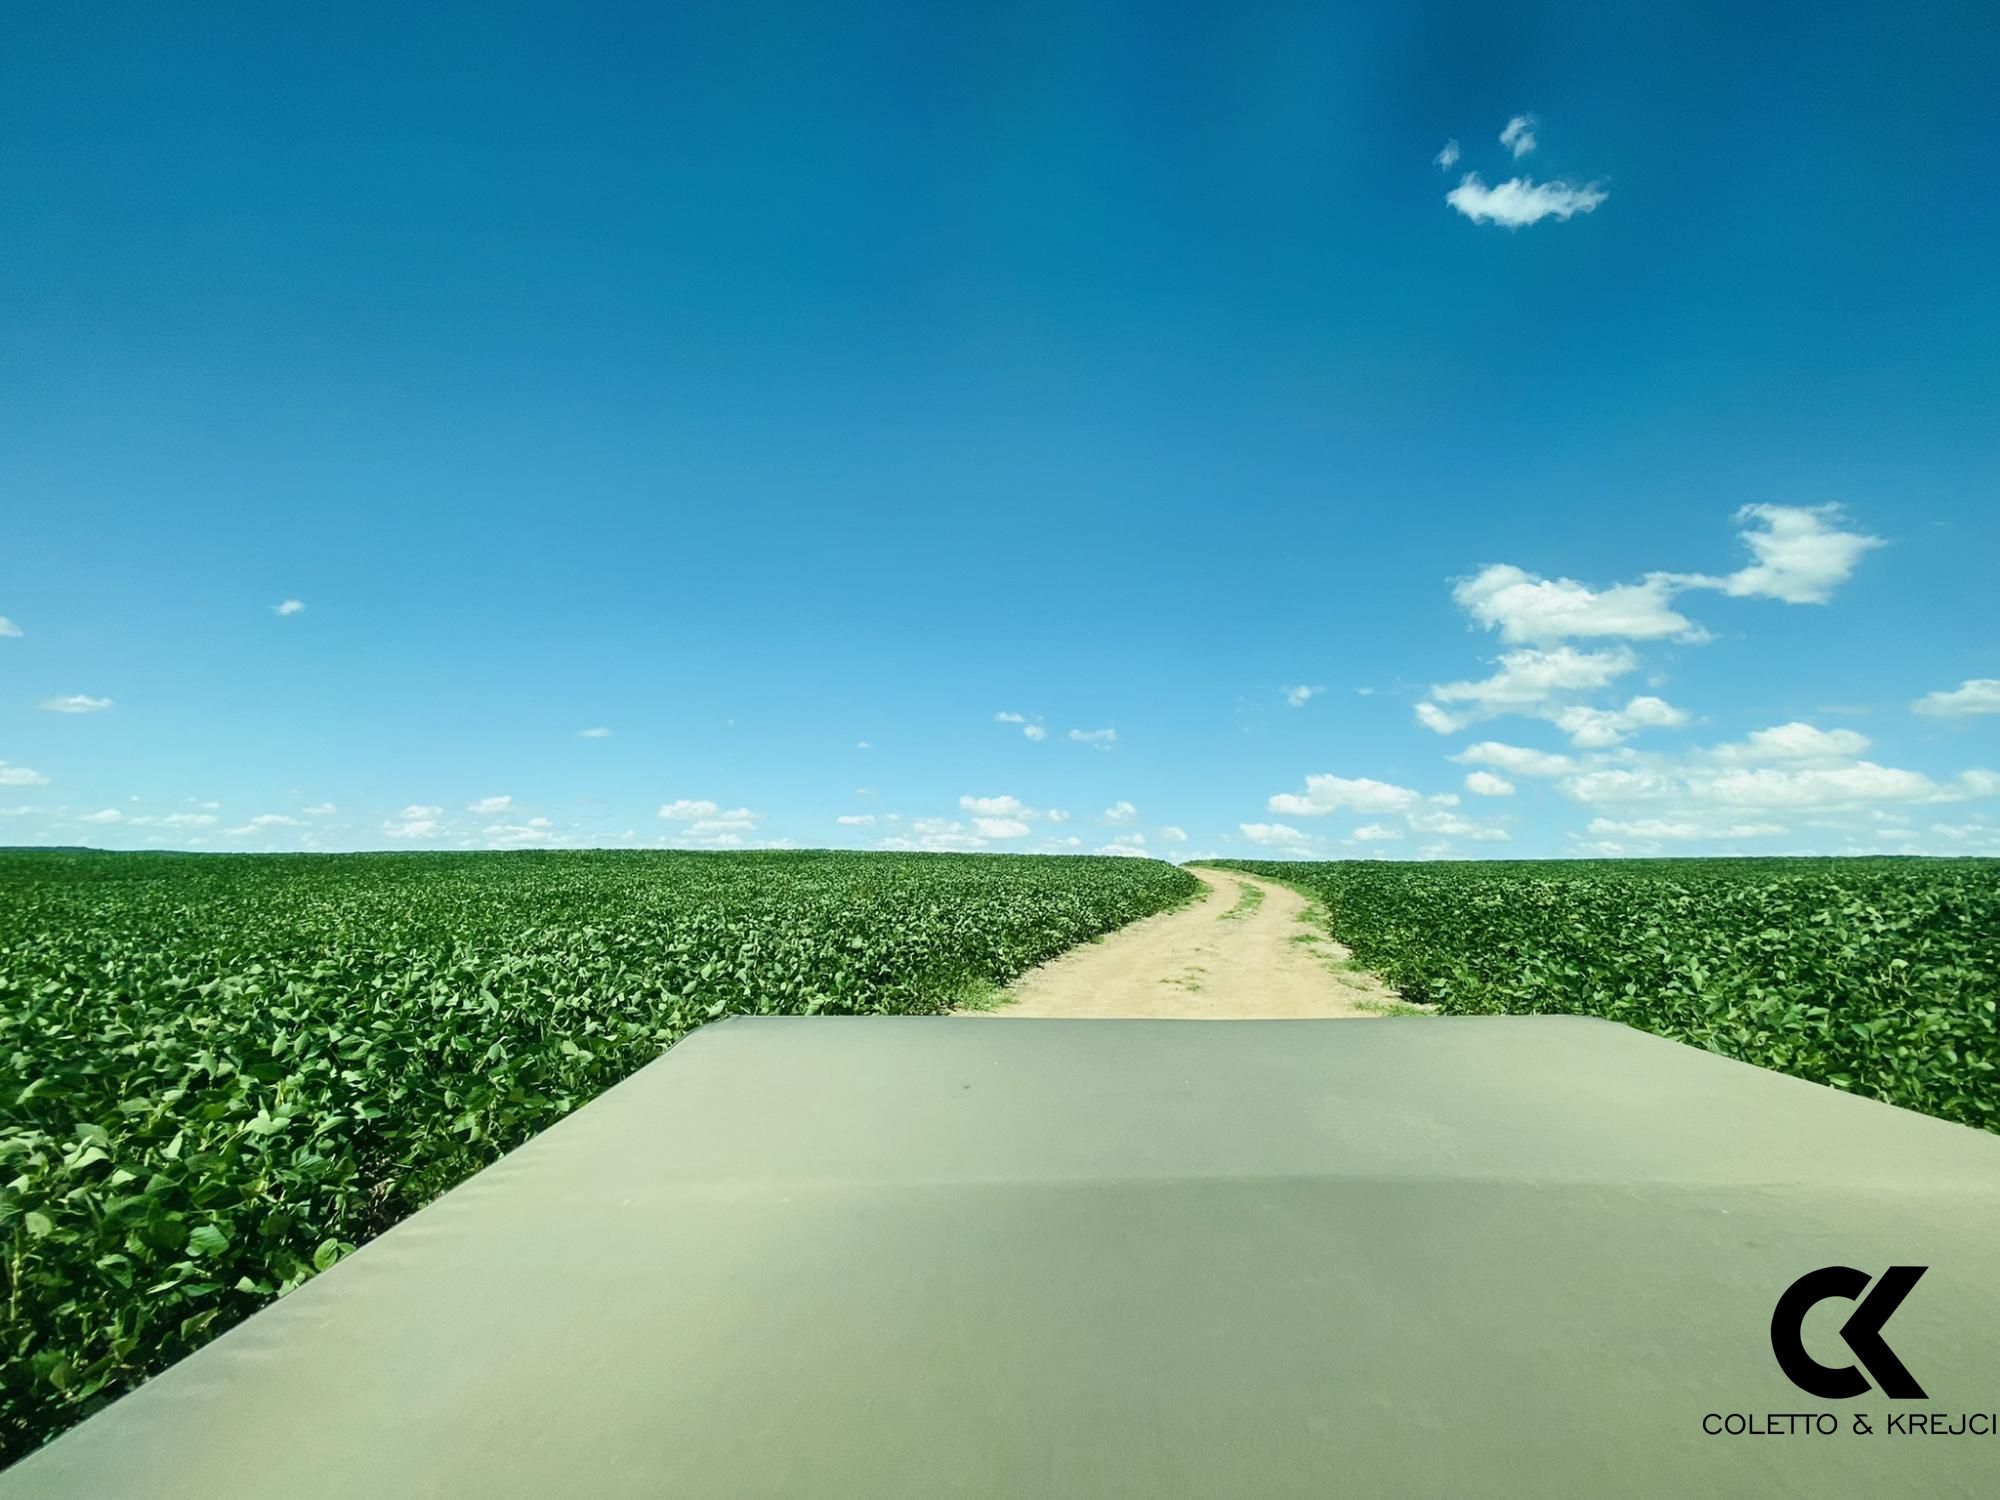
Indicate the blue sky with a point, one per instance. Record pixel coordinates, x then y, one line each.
789 395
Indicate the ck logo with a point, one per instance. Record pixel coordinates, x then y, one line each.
1862 1332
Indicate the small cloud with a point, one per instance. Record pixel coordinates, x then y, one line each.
596 732
20 776
320 810
187 820
856 820
1275 835
1801 553
1120 812
993 807
1001 828
1034 732
75 703
1521 201
1976 695
1519 135
417 822
1376 833
1446 159
8 627
486 807
1298 697
1004 717
1365 692
1486 784
684 810
1515 758
1328 794
1172 835
289 607
1101 739
270 820
103 815
863 745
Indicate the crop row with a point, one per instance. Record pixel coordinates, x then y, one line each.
1876 976
224 1073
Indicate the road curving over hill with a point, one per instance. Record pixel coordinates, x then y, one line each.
1248 949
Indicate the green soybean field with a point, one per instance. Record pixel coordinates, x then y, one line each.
1878 976
225 1072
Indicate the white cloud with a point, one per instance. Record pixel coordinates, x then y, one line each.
734 820
1172 835
1796 742
1621 786
417 822
993 807
536 832
863 745
1527 608
1120 812
1661 828
938 835
683 810
1101 739
856 820
187 820
1298 697
1276 836
1376 833
1976 695
103 815
1443 799
1521 201
288 607
9 628
20 776
1446 159
22 811
487 806
1596 728
1821 787
265 821
1001 828
1438 721
595 732
1030 724
1530 677
1129 847
1515 758
320 810
75 703
1329 794
1801 553
1057 815
1518 136
1486 784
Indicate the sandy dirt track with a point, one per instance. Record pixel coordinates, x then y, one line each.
1229 956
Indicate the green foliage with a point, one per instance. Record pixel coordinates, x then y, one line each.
1878 976
226 1072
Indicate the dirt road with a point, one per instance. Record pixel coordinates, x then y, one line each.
1242 952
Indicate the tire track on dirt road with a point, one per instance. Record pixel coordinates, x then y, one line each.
1246 950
